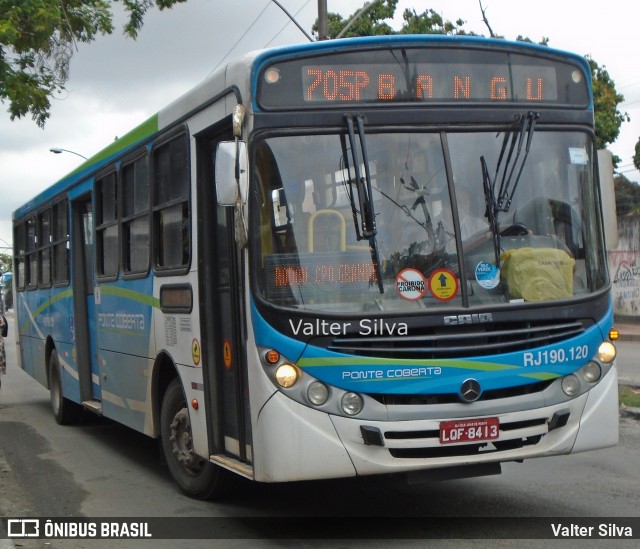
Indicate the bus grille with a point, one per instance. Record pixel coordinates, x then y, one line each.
461 341
452 398
426 444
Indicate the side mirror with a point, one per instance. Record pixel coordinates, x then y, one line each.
231 174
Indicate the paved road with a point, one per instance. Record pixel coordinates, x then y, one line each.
101 469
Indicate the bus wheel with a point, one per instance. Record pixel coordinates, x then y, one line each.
197 477
65 411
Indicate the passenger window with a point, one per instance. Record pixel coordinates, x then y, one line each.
44 248
31 255
107 231
135 220
171 219
60 237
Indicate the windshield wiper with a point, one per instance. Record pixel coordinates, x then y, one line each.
527 127
502 202
366 226
491 212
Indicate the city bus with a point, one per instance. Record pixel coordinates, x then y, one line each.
381 255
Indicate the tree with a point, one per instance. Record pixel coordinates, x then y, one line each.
627 195
37 41
5 263
636 157
606 100
373 22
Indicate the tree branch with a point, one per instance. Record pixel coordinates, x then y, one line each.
486 21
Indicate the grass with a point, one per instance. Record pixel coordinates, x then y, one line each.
630 396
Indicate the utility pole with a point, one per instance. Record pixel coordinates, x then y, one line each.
323 23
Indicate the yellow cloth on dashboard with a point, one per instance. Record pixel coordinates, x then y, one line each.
538 274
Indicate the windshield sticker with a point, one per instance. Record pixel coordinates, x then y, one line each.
487 275
411 284
443 285
578 156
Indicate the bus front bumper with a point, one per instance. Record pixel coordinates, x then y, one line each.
299 443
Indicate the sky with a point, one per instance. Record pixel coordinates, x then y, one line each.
116 83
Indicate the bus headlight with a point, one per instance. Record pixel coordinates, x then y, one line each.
607 352
351 404
317 393
570 385
286 375
591 371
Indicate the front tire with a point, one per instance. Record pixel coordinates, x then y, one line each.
197 477
64 410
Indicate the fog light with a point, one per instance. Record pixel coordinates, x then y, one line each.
591 371
317 393
570 385
352 404
286 375
607 352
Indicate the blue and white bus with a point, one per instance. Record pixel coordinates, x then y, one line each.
355 257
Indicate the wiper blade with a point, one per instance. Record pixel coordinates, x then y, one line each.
502 202
366 229
527 127
363 184
491 212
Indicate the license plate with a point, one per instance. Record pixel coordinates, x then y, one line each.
469 430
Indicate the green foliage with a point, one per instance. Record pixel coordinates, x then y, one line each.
606 100
627 195
373 22
428 22
37 41
629 396
5 263
636 156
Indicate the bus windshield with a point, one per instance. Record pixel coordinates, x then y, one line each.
440 237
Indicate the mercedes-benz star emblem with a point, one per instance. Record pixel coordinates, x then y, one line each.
470 390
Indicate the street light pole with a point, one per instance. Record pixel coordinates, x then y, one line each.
323 20
58 150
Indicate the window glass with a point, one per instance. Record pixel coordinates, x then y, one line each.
19 247
107 198
60 237
399 234
171 219
107 229
32 256
44 243
135 187
135 227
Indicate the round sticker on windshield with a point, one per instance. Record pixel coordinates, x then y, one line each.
411 284
443 284
487 275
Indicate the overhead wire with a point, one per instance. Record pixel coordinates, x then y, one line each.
287 23
253 23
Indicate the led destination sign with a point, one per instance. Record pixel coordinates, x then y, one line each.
352 84
424 75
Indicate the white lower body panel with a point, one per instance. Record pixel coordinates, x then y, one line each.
295 442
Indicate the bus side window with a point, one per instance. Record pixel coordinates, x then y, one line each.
31 257
135 216
60 241
19 257
171 220
106 226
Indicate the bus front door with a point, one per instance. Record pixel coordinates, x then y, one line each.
222 306
84 328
